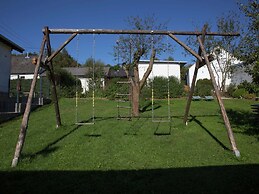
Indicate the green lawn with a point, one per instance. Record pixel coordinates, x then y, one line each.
138 156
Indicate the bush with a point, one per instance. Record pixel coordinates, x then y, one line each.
203 87
160 87
249 96
112 88
67 83
239 93
231 89
251 88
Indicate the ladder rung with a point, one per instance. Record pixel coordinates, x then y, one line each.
85 123
122 100
161 121
123 94
123 82
124 117
118 106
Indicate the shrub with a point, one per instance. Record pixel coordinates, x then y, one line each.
112 88
203 87
160 87
231 89
251 88
249 96
239 93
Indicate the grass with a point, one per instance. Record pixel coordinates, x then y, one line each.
120 156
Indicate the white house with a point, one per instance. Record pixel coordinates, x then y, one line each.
219 66
161 68
84 74
6 47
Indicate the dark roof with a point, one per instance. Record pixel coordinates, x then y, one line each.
118 73
83 71
11 44
21 65
181 63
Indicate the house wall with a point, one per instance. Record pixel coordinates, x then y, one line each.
160 69
85 84
5 65
237 76
22 76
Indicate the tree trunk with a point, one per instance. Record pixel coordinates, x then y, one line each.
135 100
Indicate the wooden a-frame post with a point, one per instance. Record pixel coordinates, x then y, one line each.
51 77
47 64
27 111
221 105
197 66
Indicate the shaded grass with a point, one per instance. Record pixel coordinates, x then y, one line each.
132 156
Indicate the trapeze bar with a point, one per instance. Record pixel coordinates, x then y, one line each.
150 32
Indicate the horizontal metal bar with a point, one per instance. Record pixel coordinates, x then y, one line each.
150 32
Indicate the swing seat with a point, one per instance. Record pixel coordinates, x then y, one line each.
196 98
209 98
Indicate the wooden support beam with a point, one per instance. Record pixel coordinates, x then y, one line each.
52 80
27 111
221 105
61 47
186 47
150 32
197 66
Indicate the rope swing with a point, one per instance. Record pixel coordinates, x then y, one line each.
92 83
157 119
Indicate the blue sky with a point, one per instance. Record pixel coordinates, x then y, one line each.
23 21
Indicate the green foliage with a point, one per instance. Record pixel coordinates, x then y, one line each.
66 83
251 88
113 87
128 46
64 59
249 46
240 93
26 85
231 88
203 87
160 87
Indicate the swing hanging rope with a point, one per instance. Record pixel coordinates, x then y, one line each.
168 91
93 81
93 85
77 65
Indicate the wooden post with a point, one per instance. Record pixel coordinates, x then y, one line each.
221 105
52 79
197 65
26 114
186 47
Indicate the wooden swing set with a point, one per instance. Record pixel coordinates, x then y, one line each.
201 56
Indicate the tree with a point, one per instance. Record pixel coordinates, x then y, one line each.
95 73
131 48
223 48
64 59
249 45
